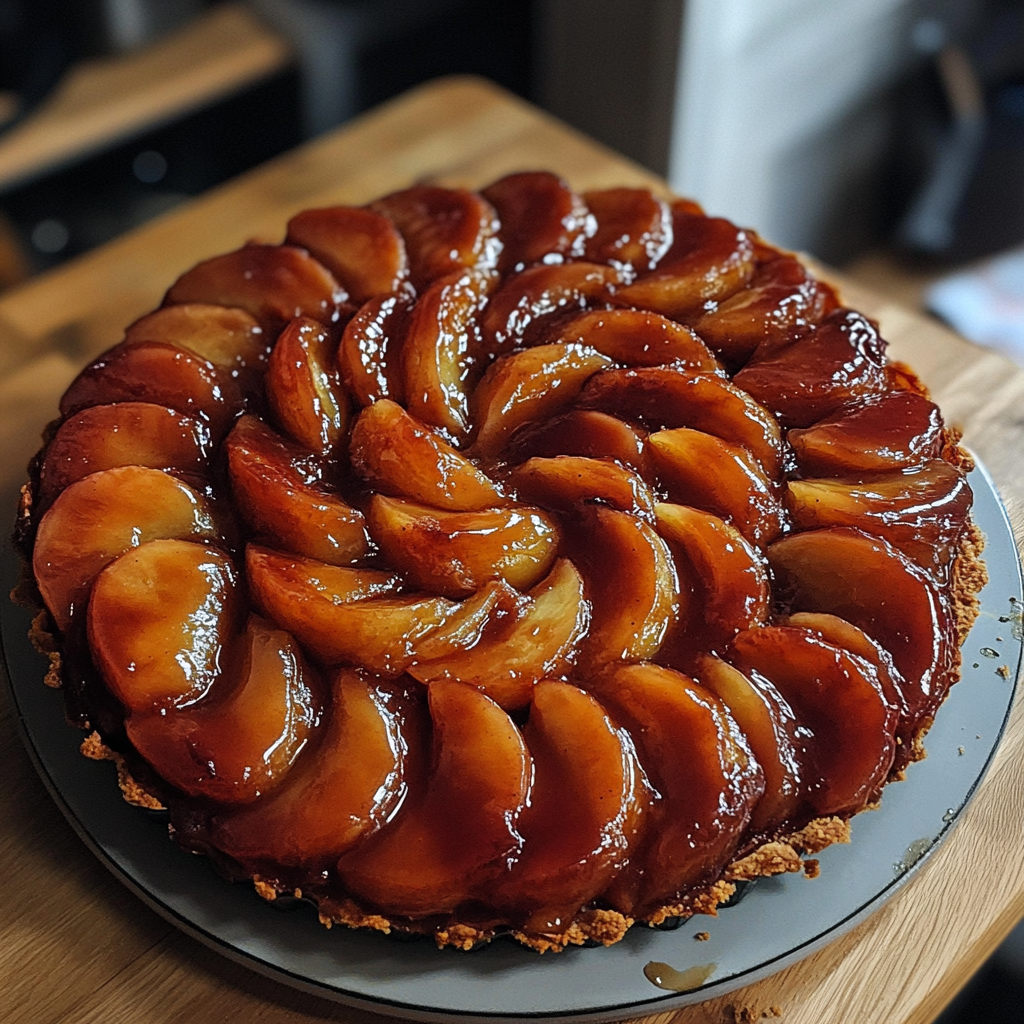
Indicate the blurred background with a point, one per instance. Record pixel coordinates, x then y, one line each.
885 137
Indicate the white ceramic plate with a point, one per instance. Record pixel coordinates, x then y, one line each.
779 921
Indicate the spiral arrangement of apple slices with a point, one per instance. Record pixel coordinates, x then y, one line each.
502 561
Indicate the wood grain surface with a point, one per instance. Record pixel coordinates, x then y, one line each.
77 948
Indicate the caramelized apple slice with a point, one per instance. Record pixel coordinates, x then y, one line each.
160 619
583 432
848 725
663 397
697 760
517 312
542 219
710 259
445 230
893 431
102 516
369 351
634 337
235 747
150 371
125 434
401 457
361 248
631 584
863 580
921 511
530 385
341 790
278 501
724 577
566 481
303 387
439 349
450 839
781 302
275 283
841 360
455 553
772 731
711 474
634 228
231 339
511 657
587 799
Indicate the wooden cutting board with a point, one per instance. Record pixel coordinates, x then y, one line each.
77 948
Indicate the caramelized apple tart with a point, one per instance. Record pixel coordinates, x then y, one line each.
504 562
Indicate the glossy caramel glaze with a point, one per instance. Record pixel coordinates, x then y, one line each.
511 561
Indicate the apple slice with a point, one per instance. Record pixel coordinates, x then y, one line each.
847 724
304 389
124 434
455 553
566 481
542 219
921 511
275 283
456 834
445 230
235 747
634 337
361 248
896 430
634 228
772 732
664 397
698 761
583 432
706 472
161 621
369 352
151 371
534 384
710 260
279 502
339 790
518 310
521 650
402 458
781 302
840 361
631 584
101 517
585 808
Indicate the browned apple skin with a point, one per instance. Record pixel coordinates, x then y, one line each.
339 790
542 219
277 502
454 835
399 456
360 247
124 434
567 481
369 354
841 360
151 371
634 228
304 389
161 620
445 230
237 746
102 516
585 808
697 759
583 432
849 725
893 431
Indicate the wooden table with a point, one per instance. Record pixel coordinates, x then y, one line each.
75 947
